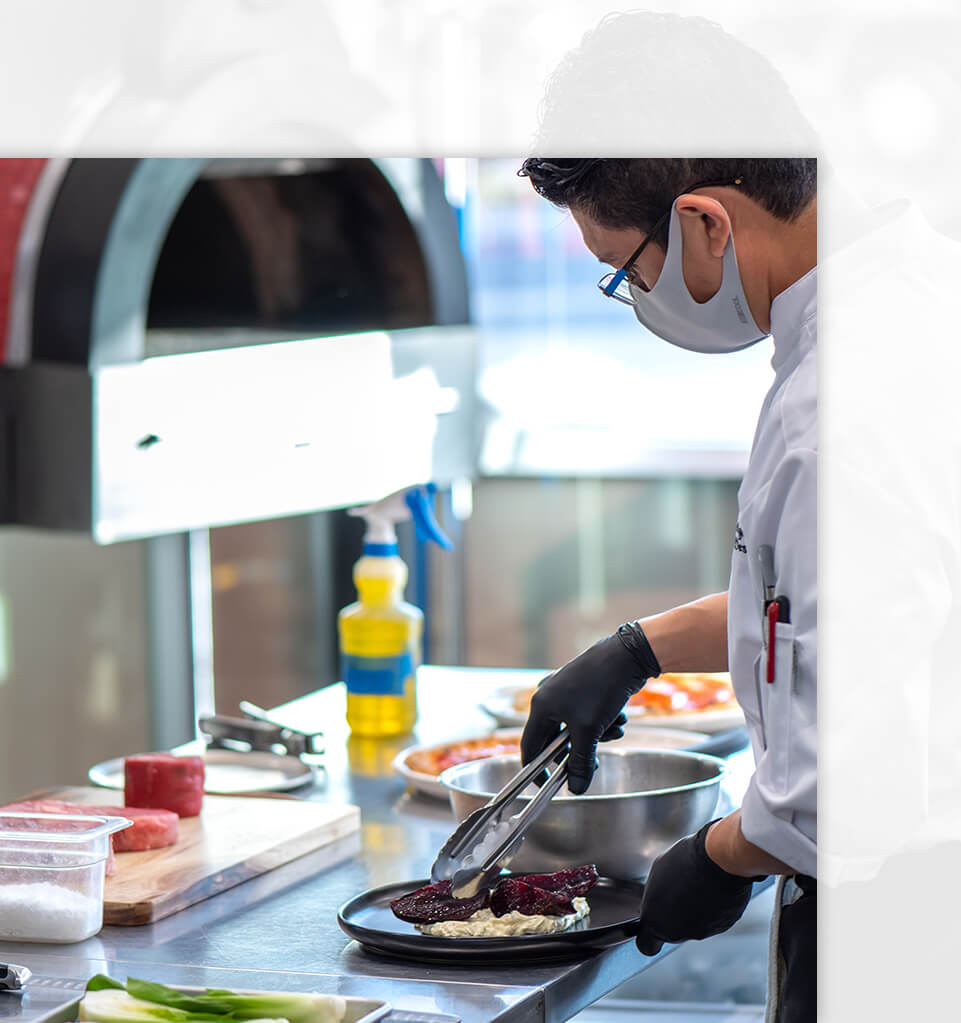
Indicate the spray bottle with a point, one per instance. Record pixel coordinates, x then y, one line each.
380 634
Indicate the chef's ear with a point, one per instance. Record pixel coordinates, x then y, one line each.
705 224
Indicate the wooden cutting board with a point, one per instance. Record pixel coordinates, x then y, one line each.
233 839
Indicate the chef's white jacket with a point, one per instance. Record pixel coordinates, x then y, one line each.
777 506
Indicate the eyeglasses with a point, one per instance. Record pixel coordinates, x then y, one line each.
618 284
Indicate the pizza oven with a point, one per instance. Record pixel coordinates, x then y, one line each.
192 342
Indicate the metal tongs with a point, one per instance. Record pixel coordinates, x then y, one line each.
13 977
258 732
484 841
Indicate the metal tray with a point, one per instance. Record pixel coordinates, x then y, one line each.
358 1010
642 736
228 772
613 919
499 704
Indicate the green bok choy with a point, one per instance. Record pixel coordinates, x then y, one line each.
141 1001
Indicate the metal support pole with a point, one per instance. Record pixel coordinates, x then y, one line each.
170 643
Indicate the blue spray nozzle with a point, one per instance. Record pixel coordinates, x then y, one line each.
410 503
419 500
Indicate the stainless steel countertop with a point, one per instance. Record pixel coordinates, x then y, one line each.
280 930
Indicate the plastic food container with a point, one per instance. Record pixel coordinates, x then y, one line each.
51 874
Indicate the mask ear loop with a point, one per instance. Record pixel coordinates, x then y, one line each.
675 254
619 275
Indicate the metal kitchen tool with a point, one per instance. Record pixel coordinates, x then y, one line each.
485 841
13 977
259 733
640 802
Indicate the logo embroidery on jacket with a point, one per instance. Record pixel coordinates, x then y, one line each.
739 544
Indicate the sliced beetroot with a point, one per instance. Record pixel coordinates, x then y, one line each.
434 902
515 894
572 882
530 894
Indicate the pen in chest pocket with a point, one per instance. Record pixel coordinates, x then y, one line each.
776 608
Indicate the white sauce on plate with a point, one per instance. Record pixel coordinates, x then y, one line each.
483 924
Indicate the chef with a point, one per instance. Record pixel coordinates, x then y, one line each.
714 255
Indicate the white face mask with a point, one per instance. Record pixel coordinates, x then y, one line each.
721 324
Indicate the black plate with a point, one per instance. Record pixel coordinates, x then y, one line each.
613 919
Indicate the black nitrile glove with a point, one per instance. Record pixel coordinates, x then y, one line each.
587 695
687 895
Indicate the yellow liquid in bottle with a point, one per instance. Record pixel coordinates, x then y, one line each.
380 638
379 716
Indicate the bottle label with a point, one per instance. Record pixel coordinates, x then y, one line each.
377 676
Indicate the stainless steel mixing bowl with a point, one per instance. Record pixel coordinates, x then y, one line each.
640 803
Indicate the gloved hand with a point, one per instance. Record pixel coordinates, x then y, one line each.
687 895
587 695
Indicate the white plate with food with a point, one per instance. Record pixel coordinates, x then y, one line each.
227 772
703 701
421 766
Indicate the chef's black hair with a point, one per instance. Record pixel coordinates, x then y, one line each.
622 193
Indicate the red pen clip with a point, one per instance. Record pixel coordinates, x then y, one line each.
773 617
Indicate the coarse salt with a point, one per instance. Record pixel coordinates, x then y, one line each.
47 912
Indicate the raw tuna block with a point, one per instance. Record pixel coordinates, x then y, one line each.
165 781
